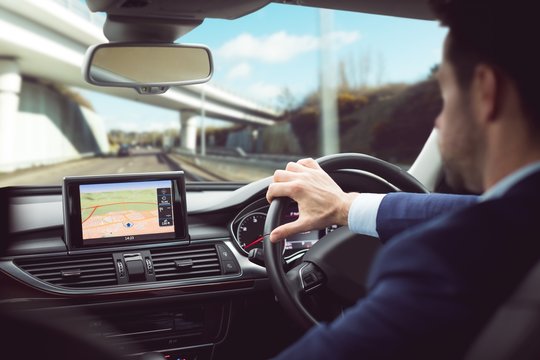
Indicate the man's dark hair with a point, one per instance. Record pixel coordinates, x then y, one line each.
499 33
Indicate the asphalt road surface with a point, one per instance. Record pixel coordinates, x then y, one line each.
137 161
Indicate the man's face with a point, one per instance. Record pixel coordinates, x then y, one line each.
459 139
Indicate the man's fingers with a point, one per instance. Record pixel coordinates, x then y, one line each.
285 230
281 189
310 163
294 170
294 167
283 175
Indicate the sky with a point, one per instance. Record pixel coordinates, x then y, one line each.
276 48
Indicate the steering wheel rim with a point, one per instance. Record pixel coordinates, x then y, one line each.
281 282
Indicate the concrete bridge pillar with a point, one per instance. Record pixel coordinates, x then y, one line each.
188 130
10 87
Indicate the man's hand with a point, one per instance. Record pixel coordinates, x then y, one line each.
321 202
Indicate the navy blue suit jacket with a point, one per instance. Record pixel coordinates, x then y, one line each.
400 211
434 285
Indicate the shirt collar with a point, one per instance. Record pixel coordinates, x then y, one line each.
503 185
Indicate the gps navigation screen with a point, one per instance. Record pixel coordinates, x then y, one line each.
127 210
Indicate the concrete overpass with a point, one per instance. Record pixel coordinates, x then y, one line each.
47 39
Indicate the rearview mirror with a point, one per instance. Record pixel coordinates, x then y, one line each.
148 68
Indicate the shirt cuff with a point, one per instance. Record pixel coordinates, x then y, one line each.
363 214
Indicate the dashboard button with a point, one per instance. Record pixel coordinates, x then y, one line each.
224 252
121 269
149 266
312 277
230 267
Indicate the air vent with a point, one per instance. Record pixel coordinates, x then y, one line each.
73 271
185 263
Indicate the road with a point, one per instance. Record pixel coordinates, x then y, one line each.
139 161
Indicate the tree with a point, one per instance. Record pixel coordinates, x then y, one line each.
364 69
286 100
343 78
381 66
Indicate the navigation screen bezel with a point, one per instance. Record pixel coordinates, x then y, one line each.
71 198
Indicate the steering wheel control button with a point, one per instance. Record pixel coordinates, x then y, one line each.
311 277
230 267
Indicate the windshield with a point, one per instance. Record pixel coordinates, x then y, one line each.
289 82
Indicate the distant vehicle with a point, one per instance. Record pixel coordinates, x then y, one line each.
123 150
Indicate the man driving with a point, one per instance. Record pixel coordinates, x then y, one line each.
434 285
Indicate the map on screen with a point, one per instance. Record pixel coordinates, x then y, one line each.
127 209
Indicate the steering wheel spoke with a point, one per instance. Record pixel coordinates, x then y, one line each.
304 279
311 277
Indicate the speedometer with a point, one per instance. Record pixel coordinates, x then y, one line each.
250 231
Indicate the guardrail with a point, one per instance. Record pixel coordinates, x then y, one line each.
237 168
241 168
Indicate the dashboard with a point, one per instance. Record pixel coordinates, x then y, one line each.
192 292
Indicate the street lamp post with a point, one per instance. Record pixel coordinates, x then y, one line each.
329 129
203 125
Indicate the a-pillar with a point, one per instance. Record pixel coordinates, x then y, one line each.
10 87
188 130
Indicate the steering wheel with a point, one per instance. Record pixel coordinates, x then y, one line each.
338 261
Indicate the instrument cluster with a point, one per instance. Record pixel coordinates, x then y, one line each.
247 229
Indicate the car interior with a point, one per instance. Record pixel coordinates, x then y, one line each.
205 283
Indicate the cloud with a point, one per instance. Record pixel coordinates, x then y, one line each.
239 71
274 48
265 92
279 47
343 38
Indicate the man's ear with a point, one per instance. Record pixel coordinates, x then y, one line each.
485 93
